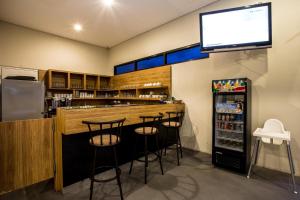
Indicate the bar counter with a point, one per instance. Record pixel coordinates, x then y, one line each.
26 153
71 135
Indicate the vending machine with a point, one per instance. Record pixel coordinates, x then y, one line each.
231 124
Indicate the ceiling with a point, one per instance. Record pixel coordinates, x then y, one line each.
103 26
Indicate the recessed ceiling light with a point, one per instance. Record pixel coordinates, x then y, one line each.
77 27
108 2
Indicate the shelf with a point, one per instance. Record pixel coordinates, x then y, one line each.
111 98
128 89
126 97
144 88
152 87
91 82
118 98
88 98
229 131
105 82
84 90
149 99
53 88
104 98
77 81
58 79
139 99
229 113
229 147
230 122
230 139
107 90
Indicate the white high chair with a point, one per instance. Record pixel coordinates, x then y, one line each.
273 133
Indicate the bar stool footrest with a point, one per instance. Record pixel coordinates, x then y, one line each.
152 160
108 179
171 146
106 167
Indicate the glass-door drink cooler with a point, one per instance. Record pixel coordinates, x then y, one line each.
231 123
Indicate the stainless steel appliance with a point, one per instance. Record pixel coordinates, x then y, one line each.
21 99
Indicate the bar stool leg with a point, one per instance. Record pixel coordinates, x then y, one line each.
177 147
146 158
166 141
159 155
118 172
254 156
93 173
179 143
133 155
292 167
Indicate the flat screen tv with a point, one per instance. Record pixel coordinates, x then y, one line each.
241 28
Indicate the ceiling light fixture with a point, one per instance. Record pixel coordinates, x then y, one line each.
108 3
77 27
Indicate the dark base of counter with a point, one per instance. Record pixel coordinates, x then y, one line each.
77 152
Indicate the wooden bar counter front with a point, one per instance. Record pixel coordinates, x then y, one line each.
69 122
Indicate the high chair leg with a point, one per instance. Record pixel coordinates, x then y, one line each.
292 167
254 156
257 151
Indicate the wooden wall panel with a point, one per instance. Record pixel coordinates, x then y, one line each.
26 153
42 74
139 78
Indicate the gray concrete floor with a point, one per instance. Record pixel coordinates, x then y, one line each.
196 178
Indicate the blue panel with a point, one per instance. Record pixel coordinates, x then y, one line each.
122 69
151 62
192 53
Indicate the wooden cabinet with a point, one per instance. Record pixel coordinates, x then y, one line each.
92 82
77 81
137 84
27 154
107 93
127 87
130 93
105 83
58 79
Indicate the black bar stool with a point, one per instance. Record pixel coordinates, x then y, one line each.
107 136
174 122
150 128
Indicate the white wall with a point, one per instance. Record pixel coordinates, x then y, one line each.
275 74
22 47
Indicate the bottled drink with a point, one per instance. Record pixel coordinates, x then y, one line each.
231 117
227 117
219 117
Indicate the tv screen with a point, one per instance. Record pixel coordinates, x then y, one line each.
237 28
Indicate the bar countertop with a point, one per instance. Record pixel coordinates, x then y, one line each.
70 119
100 106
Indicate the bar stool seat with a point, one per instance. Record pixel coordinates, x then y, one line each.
107 140
174 122
146 130
171 124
